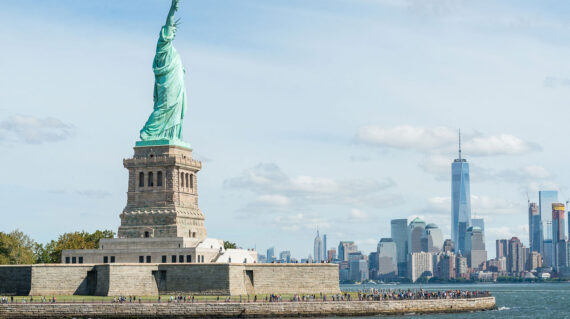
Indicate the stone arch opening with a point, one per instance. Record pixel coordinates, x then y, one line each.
150 182
159 178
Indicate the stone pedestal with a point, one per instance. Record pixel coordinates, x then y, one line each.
162 198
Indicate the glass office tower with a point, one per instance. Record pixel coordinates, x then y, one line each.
460 201
415 233
399 233
534 228
545 201
478 222
387 258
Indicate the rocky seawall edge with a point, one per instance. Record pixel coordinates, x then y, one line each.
246 310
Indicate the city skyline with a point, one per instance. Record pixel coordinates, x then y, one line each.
297 105
417 236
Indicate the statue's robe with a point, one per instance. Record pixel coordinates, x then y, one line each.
165 122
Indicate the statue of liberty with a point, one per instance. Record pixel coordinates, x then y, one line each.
165 122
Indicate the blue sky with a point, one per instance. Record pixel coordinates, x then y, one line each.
338 114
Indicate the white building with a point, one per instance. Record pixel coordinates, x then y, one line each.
420 265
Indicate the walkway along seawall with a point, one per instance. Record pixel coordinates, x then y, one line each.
245 310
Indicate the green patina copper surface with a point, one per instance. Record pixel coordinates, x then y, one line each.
162 142
164 126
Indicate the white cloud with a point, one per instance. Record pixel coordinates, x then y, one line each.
530 178
503 144
34 130
433 7
366 242
480 205
506 232
273 187
554 82
357 214
407 137
437 165
441 203
443 140
484 205
300 221
93 193
273 200
537 172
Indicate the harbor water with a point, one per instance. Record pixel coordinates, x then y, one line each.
514 300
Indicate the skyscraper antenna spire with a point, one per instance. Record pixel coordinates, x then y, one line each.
459 144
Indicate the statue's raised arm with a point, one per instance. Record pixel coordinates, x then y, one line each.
165 122
173 9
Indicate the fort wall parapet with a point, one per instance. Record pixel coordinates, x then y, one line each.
143 279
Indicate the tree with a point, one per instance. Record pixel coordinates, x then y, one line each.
16 248
229 245
51 253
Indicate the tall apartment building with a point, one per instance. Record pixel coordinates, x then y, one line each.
502 248
461 266
331 255
534 261
515 258
444 265
559 249
420 265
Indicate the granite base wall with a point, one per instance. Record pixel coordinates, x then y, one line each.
152 279
15 280
126 279
245 310
284 279
199 279
59 280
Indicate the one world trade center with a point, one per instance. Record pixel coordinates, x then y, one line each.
460 201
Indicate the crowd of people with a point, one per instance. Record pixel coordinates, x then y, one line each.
369 295
42 299
123 299
418 294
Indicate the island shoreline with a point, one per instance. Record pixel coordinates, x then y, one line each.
246 309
